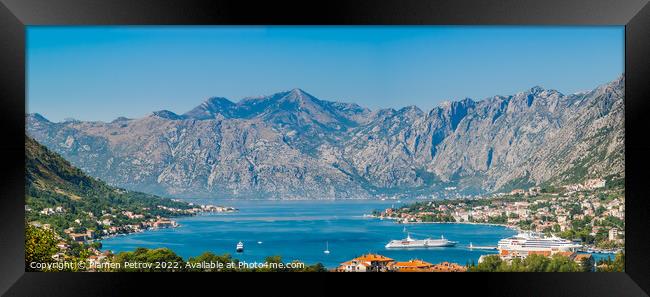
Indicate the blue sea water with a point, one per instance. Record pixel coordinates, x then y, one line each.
299 230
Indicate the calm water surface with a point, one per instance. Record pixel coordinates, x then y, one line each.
300 230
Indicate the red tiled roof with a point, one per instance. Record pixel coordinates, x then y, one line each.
373 258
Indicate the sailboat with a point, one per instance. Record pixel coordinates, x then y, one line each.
327 247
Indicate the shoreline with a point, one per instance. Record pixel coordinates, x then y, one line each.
514 228
150 229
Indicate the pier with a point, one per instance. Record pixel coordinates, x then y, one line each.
479 247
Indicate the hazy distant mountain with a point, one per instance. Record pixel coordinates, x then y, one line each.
292 144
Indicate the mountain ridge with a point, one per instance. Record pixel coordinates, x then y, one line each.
291 144
51 182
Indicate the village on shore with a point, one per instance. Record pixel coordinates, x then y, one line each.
588 212
123 223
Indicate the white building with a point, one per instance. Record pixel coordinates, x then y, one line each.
613 234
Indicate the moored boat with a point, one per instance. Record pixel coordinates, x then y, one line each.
410 242
531 241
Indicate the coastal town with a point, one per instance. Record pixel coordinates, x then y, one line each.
79 239
568 225
126 222
559 230
591 213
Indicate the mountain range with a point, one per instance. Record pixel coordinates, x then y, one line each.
293 145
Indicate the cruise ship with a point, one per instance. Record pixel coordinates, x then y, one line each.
533 241
410 242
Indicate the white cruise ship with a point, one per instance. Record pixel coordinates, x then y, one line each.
532 241
410 242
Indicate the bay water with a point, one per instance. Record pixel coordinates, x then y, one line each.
300 230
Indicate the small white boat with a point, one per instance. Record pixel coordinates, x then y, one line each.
259 242
240 247
327 248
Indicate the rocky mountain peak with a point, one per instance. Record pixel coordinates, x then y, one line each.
37 117
299 93
213 102
299 96
166 114
210 108
411 110
293 145
536 90
120 119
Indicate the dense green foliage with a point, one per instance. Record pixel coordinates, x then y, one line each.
532 263
51 181
160 260
164 259
40 245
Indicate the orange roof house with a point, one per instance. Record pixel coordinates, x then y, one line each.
541 253
368 262
448 267
566 254
373 258
579 257
414 265
379 263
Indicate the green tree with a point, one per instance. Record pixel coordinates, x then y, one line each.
490 263
536 263
561 263
40 246
209 257
619 262
318 267
585 265
273 262
161 259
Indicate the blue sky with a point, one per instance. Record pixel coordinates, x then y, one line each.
100 73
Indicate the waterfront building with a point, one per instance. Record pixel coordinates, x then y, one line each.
78 236
366 263
164 223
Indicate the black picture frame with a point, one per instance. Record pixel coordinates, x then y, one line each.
633 14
